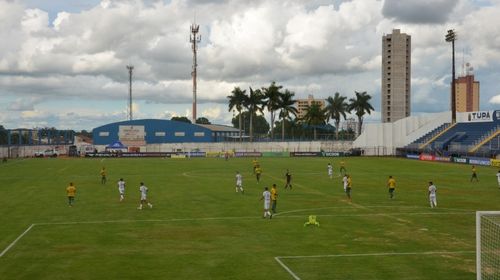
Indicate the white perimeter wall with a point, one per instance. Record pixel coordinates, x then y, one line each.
307 146
384 138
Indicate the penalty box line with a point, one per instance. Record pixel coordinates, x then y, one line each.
13 243
294 275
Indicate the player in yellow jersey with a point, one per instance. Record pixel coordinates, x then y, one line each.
274 198
255 163
258 172
391 184
103 173
474 174
348 189
342 167
71 191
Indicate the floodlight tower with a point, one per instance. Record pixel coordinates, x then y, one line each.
451 36
130 69
194 38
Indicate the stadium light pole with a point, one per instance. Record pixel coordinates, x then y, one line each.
194 38
130 69
451 36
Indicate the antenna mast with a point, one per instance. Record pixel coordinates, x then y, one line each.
194 39
130 69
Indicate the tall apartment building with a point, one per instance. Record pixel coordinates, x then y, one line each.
396 76
466 94
302 104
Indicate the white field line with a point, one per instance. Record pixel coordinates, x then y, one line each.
294 275
374 206
287 268
210 219
15 241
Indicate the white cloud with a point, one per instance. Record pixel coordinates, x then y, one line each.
495 99
313 48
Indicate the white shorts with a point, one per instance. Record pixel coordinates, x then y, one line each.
238 184
144 197
266 204
121 191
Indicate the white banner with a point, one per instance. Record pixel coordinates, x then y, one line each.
132 135
479 116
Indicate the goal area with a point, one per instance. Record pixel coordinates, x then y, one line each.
488 245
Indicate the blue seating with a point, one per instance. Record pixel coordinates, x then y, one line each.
430 134
466 134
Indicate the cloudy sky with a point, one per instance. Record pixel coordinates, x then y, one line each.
62 63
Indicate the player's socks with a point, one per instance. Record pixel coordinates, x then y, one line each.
150 205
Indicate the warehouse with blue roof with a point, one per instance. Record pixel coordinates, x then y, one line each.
157 131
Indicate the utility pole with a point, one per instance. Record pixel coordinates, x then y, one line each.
451 36
130 69
194 39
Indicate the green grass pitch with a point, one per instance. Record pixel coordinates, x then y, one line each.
200 228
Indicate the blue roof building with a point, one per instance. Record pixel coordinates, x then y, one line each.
155 131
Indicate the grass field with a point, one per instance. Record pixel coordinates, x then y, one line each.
199 228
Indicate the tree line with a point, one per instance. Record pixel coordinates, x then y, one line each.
280 102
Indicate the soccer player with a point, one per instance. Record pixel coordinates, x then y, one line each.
345 181
432 195
71 191
329 169
239 182
266 196
498 178
288 178
255 163
144 196
121 189
474 174
258 172
342 168
348 189
103 175
274 198
391 184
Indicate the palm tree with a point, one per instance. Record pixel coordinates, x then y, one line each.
237 100
335 109
315 116
254 102
287 108
272 95
360 105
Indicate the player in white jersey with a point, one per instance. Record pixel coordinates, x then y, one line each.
498 178
329 168
121 189
432 195
239 182
144 196
344 180
266 196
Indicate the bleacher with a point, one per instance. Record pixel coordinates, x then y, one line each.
460 138
464 134
428 136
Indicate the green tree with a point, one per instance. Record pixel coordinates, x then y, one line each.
202 120
3 135
335 109
286 105
360 105
254 103
260 124
181 119
272 96
237 101
315 116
